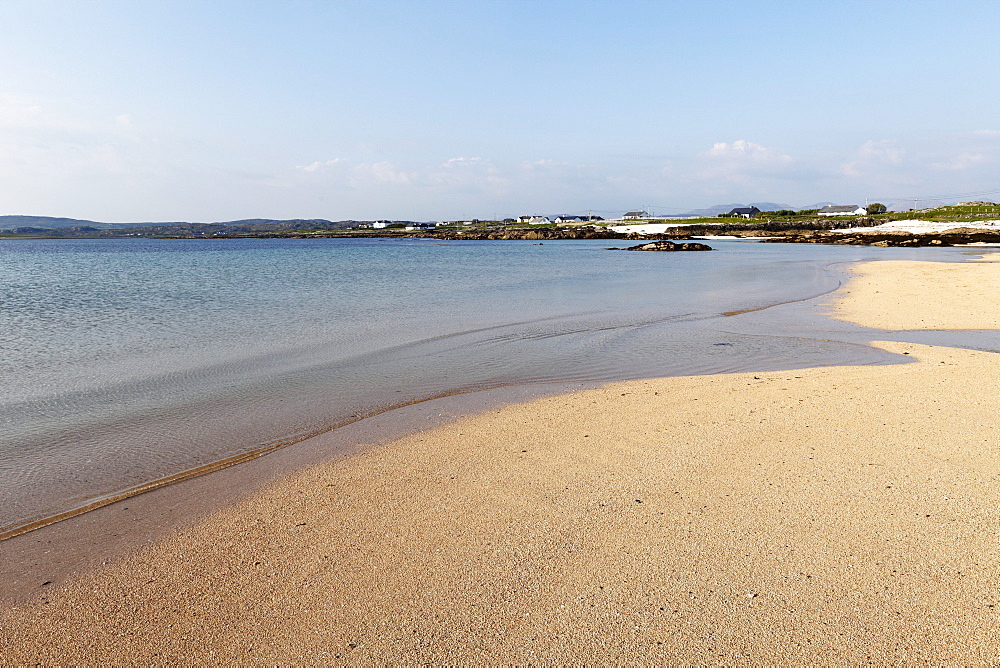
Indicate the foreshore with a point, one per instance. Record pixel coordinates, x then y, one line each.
834 515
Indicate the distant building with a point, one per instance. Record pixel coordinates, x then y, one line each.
744 212
635 215
559 220
381 224
420 226
533 220
847 210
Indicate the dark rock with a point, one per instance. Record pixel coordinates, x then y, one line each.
663 245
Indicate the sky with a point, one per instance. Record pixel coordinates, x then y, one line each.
131 111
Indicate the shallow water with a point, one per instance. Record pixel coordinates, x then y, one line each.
130 360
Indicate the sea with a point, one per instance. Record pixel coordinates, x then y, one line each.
130 361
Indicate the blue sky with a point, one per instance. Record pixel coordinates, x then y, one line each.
205 111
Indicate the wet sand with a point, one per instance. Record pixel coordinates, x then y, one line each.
824 515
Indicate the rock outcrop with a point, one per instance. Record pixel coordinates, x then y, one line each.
528 234
953 237
664 245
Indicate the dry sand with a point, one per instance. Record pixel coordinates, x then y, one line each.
924 295
835 515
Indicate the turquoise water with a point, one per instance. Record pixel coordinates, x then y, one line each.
124 361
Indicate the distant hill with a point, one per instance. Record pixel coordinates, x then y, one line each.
270 221
770 206
713 211
250 224
76 228
265 224
48 223
116 226
52 223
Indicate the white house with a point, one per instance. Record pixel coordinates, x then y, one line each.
848 210
635 215
744 212
559 220
380 224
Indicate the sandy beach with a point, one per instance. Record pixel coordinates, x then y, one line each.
897 295
832 515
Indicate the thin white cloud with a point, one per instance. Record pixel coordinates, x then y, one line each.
468 175
461 161
883 151
543 163
746 151
987 133
874 155
465 174
18 112
43 143
742 162
379 173
962 161
320 164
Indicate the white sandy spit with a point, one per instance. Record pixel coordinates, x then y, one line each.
924 226
649 228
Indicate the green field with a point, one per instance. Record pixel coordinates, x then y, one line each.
947 213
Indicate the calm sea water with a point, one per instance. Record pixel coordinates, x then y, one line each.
126 361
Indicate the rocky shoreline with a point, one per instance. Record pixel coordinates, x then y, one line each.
680 236
865 237
759 232
505 234
955 237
